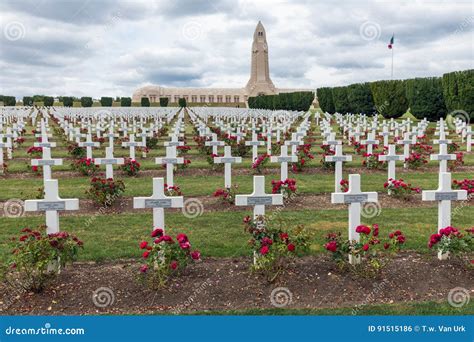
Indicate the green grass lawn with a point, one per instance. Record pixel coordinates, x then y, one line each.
220 234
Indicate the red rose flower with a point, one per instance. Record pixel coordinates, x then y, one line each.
143 244
196 255
264 250
144 268
146 254
174 265
386 245
366 247
157 232
291 247
331 246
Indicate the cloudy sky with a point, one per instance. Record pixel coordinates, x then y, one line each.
111 47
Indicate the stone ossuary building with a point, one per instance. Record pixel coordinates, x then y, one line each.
258 84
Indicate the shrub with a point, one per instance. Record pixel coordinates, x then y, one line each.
151 142
286 187
454 164
86 101
260 163
76 151
27 101
273 246
164 101
48 101
182 102
325 100
164 257
85 166
227 194
126 102
241 149
105 191
425 98
106 101
372 161
416 160
8 100
304 155
145 102
360 98
130 167
35 152
341 100
372 250
400 189
67 101
465 184
451 240
458 91
172 190
37 257
389 98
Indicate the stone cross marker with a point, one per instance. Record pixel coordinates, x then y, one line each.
338 159
469 139
391 157
369 142
294 142
170 160
354 197
109 161
131 144
89 144
258 198
284 159
46 162
111 135
444 195
214 143
227 160
158 201
443 157
255 143
2 146
51 204
406 142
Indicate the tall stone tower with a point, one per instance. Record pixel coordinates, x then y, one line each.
260 82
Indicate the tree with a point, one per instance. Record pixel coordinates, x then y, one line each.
48 101
27 100
425 98
300 101
360 99
126 102
325 100
341 100
164 102
8 100
68 101
86 101
182 102
106 101
458 91
145 102
389 98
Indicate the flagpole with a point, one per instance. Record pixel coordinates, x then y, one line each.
392 62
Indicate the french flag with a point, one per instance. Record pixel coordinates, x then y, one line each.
390 45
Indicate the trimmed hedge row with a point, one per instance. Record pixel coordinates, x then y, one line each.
432 97
300 101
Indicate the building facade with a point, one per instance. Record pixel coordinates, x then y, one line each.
259 83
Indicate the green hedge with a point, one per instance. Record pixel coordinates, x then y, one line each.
340 96
86 101
27 100
164 102
48 101
458 91
361 99
126 102
106 101
8 100
145 102
425 98
389 98
300 101
68 101
182 102
325 100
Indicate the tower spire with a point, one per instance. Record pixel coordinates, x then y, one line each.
259 82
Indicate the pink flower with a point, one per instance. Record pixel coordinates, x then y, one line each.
196 255
174 265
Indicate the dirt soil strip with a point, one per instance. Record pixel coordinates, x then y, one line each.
236 172
227 284
212 204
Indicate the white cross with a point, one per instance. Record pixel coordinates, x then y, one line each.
469 139
338 159
406 142
228 160
444 195
258 198
214 143
331 140
369 142
255 143
443 158
170 160
111 135
354 197
174 141
385 133
132 144
2 146
158 201
391 157
144 134
88 144
51 204
294 142
109 161
46 162
284 159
